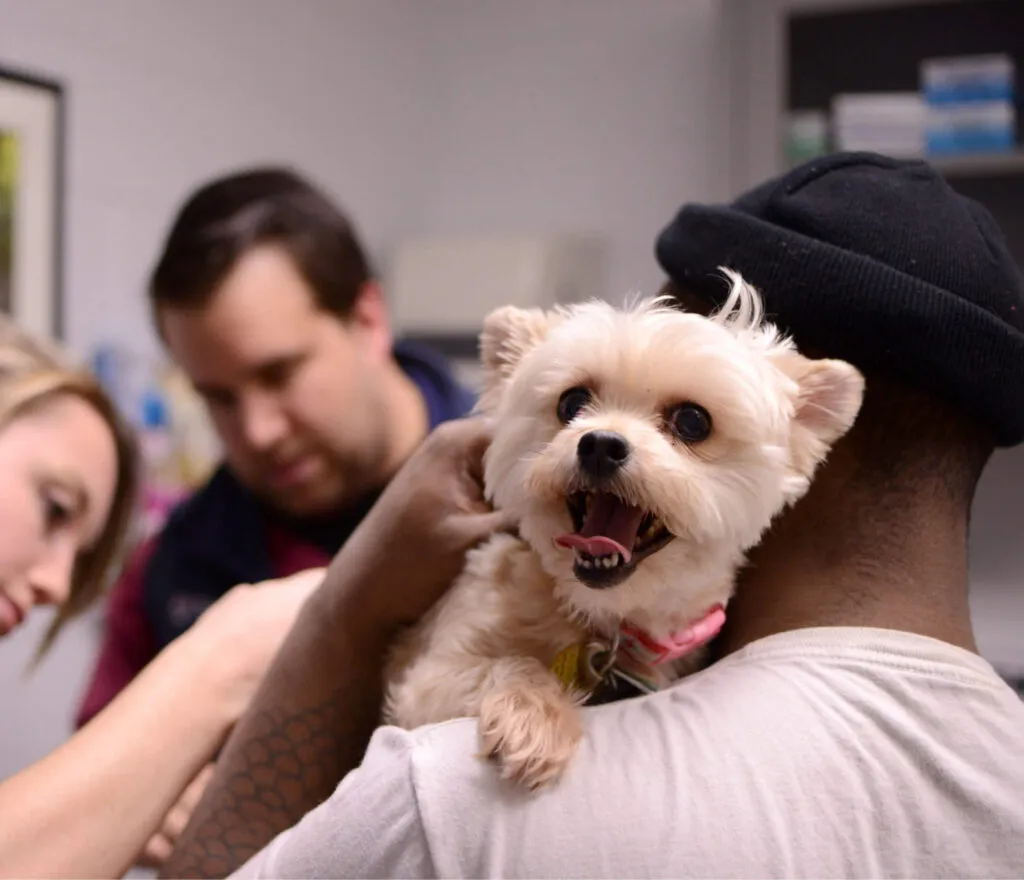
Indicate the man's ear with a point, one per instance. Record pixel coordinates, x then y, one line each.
828 399
369 316
509 333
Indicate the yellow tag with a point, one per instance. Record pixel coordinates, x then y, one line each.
567 666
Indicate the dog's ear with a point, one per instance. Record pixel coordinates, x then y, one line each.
829 394
509 332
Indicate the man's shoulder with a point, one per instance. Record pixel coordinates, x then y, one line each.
780 744
809 754
445 396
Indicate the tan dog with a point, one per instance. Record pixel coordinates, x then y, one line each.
641 452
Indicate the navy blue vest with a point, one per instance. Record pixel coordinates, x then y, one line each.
218 537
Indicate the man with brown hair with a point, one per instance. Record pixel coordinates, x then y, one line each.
266 299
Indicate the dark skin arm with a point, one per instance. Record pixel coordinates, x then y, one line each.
287 755
319 704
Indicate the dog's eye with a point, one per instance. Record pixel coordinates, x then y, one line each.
571 402
691 422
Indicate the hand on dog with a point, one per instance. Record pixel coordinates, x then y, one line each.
411 546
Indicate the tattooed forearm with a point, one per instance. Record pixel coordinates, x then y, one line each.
284 758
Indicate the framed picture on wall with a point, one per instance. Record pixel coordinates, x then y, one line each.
31 182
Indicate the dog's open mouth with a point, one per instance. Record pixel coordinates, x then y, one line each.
611 537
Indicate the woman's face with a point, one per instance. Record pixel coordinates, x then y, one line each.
58 470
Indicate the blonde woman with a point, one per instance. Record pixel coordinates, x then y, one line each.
67 486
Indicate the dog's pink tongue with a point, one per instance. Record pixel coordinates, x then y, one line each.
609 527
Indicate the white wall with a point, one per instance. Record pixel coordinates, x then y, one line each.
447 116
163 94
38 704
997 561
578 115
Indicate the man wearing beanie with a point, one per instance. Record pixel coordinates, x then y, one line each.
848 727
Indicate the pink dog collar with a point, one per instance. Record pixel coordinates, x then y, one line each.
644 648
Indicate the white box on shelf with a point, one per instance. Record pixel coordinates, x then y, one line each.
446 286
884 122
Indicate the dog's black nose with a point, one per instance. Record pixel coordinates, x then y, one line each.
602 453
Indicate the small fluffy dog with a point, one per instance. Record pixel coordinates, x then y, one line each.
641 452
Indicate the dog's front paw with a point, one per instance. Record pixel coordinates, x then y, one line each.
532 732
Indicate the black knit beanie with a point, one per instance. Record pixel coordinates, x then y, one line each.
878 262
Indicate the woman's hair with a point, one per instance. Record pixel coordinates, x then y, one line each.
33 373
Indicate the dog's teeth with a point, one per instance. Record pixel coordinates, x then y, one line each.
652 530
610 560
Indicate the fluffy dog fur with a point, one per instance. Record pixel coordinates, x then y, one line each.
486 649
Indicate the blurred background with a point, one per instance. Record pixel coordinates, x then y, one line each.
489 151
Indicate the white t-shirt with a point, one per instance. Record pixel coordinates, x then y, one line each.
816 753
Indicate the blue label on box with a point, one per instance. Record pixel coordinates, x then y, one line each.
960 141
959 93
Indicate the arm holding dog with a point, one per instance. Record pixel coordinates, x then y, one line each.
88 808
313 716
486 651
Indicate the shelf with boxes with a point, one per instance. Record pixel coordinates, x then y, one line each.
932 80
969 106
962 117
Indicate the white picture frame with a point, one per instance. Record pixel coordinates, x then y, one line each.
31 201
